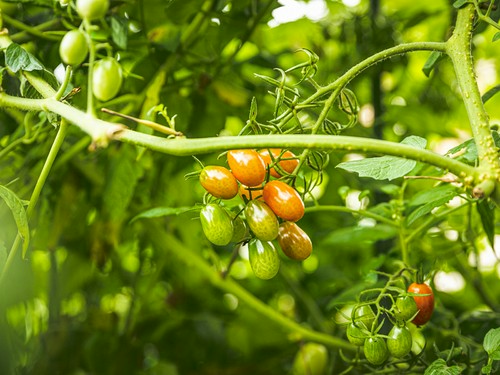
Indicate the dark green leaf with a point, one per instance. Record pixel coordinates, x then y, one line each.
16 206
496 36
161 211
491 343
430 199
119 28
486 211
439 367
491 92
385 167
17 58
434 58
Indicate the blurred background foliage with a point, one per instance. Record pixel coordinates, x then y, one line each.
100 293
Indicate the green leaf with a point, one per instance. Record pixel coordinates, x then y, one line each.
486 210
491 92
16 206
361 234
439 367
161 211
496 37
430 199
434 58
460 3
491 343
119 28
17 58
385 167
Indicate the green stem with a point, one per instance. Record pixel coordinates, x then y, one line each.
458 48
168 243
90 95
56 145
64 85
29 29
354 212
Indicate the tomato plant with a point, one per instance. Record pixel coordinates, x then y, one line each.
219 182
247 166
425 302
284 200
294 242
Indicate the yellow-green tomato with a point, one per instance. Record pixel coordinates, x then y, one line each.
262 220
418 339
240 230
355 335
375 350
73 48
364 315
92 9
264 259
311 359
106 79
216 224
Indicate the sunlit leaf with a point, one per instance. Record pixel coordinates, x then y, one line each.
16 206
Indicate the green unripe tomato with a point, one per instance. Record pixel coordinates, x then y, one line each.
264 259
106 79
375 350
311 359
399 341
92 9
355 335
418 339
240 230
216 224
73 48
365 315
406 308
261 220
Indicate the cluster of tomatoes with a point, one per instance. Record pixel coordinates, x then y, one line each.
408 311
74 49
271 209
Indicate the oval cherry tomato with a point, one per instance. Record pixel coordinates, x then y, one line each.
364 315
216 224
250 193
418 339
264 259
106 79
261 220
219 181
294 242
406 308
92 9
311 359
288 162
355 335
375 350
73 48
284 200
425 304
399 341
247 166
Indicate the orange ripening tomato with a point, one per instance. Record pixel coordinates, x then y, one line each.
250 193
247 166
284 200
425 303
288 165
219 181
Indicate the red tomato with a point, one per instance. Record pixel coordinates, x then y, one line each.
284 200
287 162
219 181
247 166
294 242
425 304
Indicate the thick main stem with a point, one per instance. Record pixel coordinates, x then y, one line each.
458 48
